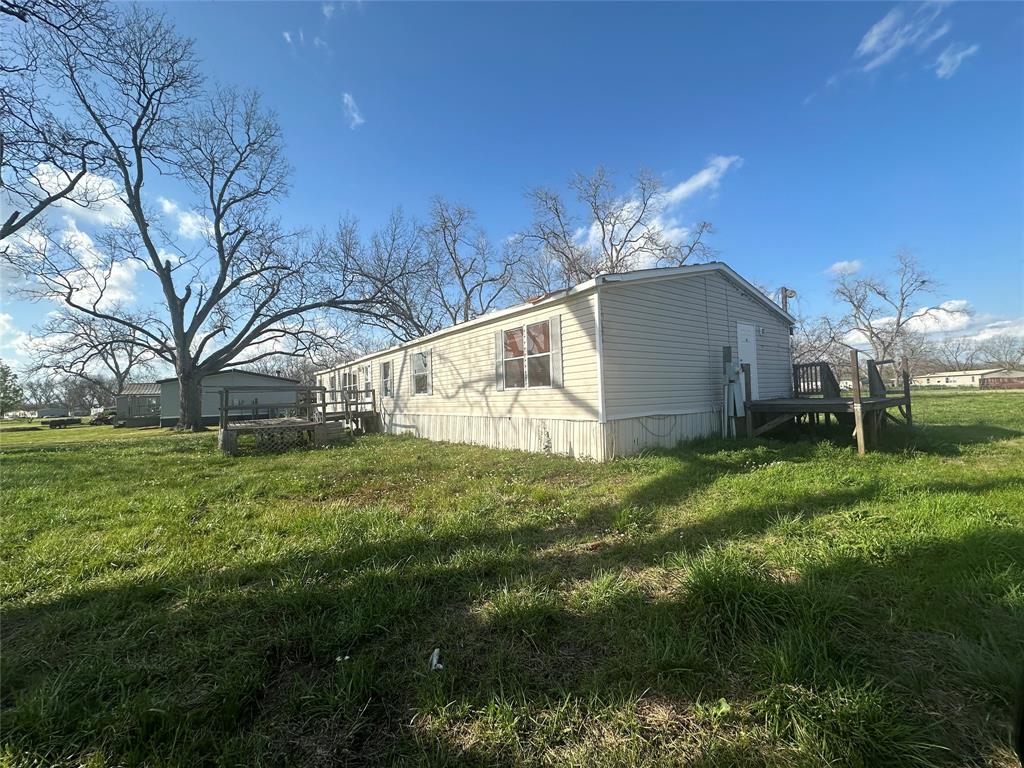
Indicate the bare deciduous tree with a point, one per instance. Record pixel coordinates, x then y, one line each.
72 392
407 308
955 353
46 154
612 233
244 290
816 340
1004 350
103 353
883 311
455 274
467 278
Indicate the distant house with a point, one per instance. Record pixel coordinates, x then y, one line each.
38 412
608 368
983 378
138 405
1005 379
280 394
55 410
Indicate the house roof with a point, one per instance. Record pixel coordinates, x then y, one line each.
552 297
145 388
236 370
978 372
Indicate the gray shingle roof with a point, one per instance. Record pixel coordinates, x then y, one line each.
149 388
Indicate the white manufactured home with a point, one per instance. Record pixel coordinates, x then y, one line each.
608 368
977 378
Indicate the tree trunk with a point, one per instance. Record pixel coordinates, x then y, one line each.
190 415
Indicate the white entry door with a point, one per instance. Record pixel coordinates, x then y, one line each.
747 349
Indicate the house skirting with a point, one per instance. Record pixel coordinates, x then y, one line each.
626 437
580 439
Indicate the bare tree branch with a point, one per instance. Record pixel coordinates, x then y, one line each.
247 290
613 233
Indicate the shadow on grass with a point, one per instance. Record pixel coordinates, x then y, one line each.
320 658
937 439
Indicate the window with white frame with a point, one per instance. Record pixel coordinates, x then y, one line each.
367 378
421 373
385 379
349 382
526 356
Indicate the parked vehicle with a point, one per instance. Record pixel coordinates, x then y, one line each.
60 423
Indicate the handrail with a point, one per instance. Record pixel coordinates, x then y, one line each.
309 402
814 379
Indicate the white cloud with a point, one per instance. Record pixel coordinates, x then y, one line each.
897 32
952 315
95 199
666 221
905 32
191 225
100 280
708 177
328 10
845 267
949 60
989 329
355 117
319 42
14 342
287 36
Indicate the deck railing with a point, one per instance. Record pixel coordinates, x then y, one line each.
308 404
349 404
811 379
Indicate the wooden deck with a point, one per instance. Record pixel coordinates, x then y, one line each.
304 422
269 425
310 419
822 405
818 394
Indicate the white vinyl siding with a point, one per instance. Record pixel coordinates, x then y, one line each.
463 371
660 371
663 344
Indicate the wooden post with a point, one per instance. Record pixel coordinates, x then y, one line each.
227 441
224 403
728 426
748 416
858 415
905 369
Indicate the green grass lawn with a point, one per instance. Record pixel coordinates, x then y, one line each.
23 434
776 603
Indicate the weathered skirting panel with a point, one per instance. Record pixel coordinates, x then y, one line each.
625 437
582 439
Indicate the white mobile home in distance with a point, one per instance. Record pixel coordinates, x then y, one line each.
610 367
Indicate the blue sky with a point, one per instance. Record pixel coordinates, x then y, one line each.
862 128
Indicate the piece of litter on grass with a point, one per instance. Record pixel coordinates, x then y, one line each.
435 660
